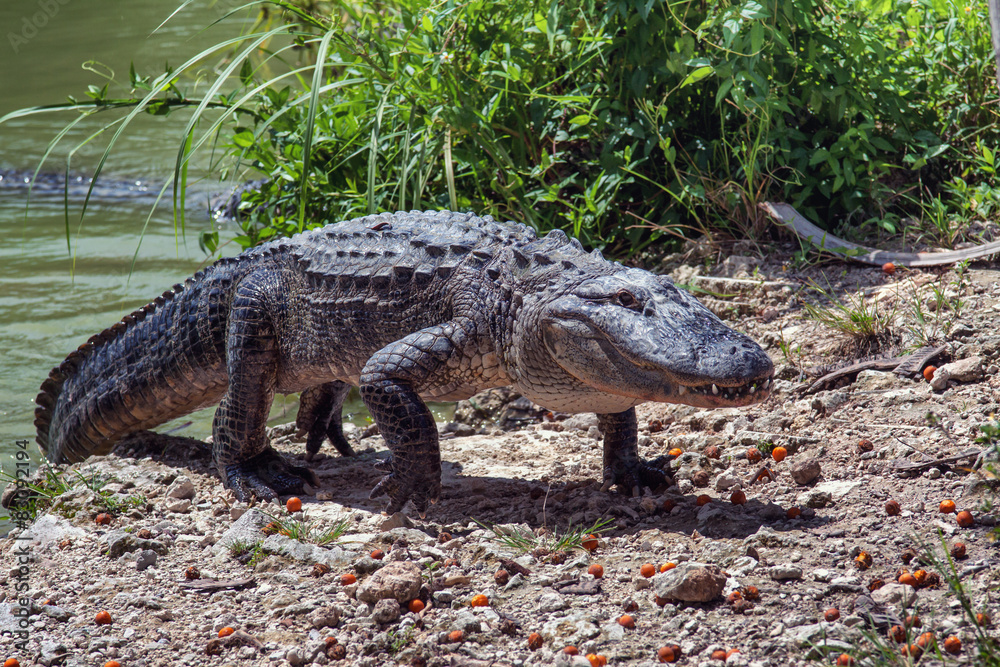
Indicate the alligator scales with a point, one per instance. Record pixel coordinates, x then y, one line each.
408 307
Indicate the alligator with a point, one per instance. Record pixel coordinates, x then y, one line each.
408 307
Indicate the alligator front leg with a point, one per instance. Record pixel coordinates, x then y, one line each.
320 416
390 386
622 465
247 463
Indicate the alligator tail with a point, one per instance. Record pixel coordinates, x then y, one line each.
146 369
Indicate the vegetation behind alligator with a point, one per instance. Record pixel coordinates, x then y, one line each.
408 307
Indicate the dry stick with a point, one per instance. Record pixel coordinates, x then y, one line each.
797 223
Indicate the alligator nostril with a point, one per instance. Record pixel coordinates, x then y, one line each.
732 350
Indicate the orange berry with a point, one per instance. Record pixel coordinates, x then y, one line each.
103 618
920 576
293 504
590 543
907 579
888 268
112 663
11 662
925 640
479 601
912 650
596 660
226 631
953 645
534 641
738 498
666 567
416 605
831 615
913 621
347 579
378 554
845 660
958 550
793 512
892 508
647 570
103 519
675 452
946 506
897 634
719 654
863 561
703 499
668 505
732 651
754 455
712 452
571 650
456 636
929 373
596 571
666 654
984 619
751 592
779 453
965 519
865 445
626 621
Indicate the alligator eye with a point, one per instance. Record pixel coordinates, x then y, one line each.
625 298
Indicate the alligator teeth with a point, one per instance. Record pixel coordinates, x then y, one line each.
753 389
681 390
715 390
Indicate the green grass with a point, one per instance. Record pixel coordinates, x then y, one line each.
558 541
304 530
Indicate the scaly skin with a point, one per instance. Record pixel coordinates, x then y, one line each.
409 307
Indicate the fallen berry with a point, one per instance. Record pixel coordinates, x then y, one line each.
456 636
946 506
779 453
348 579
627 621
103 519
888 268
863 561
907 579
534 641
738 498
751 592
953 645
11 662
754 455
675 452
596 571
571 650
793 512
965 519
226 631
666 654
831 615
958 550
925 640
666 567
590 543
984 619
103 618
897 634
416 605
865 446
929 373
892 508
712 452
293 504
479 601
845 660
719 654
702 500
647 570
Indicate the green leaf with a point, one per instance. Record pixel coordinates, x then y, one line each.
582 119
697 75
243 139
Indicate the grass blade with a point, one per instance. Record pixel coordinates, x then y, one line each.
317 81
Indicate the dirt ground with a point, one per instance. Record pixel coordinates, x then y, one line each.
818 530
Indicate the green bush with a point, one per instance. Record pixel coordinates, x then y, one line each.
624 122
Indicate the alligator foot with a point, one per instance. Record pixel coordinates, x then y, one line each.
635 474
320 417
419 486
266 476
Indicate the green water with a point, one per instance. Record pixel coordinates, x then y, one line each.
52 298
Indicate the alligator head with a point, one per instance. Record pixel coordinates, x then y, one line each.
635 334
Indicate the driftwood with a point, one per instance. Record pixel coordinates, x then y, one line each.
793 220
906 365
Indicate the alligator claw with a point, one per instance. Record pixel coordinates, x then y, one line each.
400 491
635 476
267 476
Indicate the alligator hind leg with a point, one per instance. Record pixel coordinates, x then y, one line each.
320 416
622 465
247 463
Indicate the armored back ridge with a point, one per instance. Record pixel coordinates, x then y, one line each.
407 307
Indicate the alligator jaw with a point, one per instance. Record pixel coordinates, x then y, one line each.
719 396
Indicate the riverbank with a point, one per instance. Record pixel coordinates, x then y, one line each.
180 560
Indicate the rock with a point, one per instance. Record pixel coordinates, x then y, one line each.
397 520
181 489
147 558
580 422
282 545
805 471
785 572
386 611
50 528
552 602
873 380
727 480
400 581
895 594
245 530
467 622
815 499
963 370
574 628
177 506
325 617
691 582
52 652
